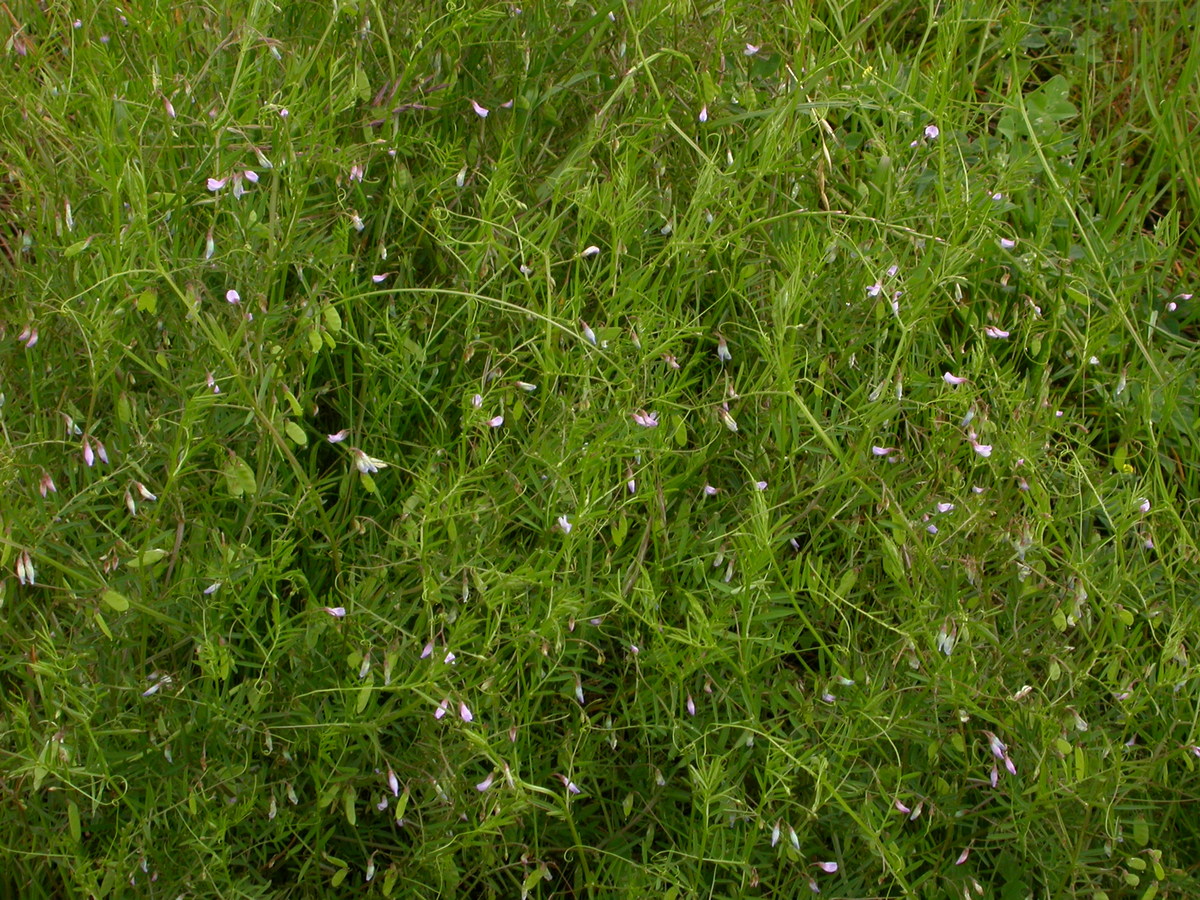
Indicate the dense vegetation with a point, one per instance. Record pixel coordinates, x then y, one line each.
696 449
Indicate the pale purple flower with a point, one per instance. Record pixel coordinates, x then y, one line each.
875 289
443 707
486 783
367 465
479 110
100 451
944 507
449 659
646 419
931 132
727 419
691 705
381 277
793 837
775 834
994 776
251 176
233 296
338 436
760 485
1007 243
710 491
892 270
901 807
931 528
588 251
751 49
338 612
813 886
427 651
356 172
283 113
952 379
168 107
882 451
962 857
215 184
1143 504
588 334
723 353
984 450
89 455
47 485
564 524
993 332
997 197
210 246
703 114
671 361
464 712
477 401
495 422
393 783
144 491
827 867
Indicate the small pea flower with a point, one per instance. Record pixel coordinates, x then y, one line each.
479 110
710 491
932 132
962 857
442 709
1007 244
587 332
486 783
646 419
464 712
760 485
671 361
26 574
703 114
89 455
827 867
338 436
691 705
477 401
952 379
215 184
356 173
727 419
144 491
564 524
495 422
338 612
882 451
590 251
380 278
572 787
232 296
993 332
46 486
945 507
984 450
775 834
751 49
367 465
393 783
1143 504
723 353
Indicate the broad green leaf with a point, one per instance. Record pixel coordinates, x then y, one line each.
296 433
239 477
146 558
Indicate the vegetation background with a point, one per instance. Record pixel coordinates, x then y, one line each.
684 449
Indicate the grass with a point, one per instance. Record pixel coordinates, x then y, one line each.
740 584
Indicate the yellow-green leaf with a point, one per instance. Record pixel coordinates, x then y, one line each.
116 600
143 559
296 433
147 302
239 477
